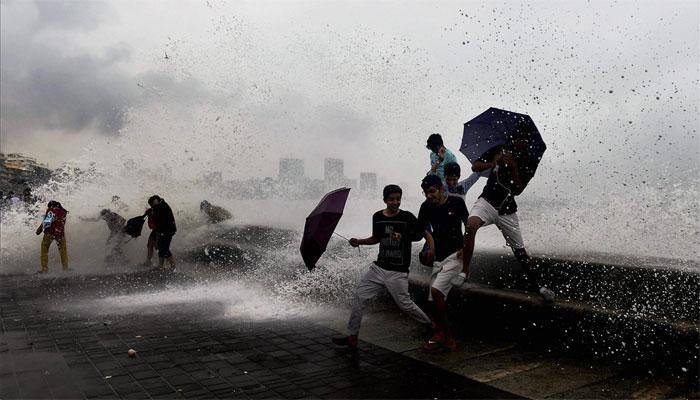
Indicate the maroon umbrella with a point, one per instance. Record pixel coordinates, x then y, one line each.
320 225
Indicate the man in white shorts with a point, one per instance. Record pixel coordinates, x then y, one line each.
511 169
394 229
446 214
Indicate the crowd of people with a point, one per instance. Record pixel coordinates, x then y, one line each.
444 221
12 199
158 216
450 234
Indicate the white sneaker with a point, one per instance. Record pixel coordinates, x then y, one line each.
547 295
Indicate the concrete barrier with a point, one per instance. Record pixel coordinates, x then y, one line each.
627 314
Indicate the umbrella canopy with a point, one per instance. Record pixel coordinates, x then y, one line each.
496 127
320 225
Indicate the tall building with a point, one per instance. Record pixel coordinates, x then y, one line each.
333 175
19 162
368 182
5 174
291 170
17 171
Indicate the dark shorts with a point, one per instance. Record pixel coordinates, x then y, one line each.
163 245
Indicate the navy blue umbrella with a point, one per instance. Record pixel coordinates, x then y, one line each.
496 127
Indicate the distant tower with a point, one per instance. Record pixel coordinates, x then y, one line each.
368 183
291 170
333 175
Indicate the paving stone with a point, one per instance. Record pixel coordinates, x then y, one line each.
322 390
160 390
194 391
9 388
145 374
179 380
187 353
95 392
119 380
137 395
187 387
263 394
151 383
128 388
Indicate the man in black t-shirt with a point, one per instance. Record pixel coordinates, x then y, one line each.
446 214
511 169
394 229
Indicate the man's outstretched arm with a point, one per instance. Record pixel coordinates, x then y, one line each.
354 242
430 255
479 166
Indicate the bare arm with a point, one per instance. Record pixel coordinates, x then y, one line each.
472 178
429 239
509 162
430 253
41 225
354 242
479 166
438 161
431 242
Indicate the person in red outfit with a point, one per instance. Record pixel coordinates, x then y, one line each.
54 228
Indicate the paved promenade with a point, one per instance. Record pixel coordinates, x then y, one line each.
51 351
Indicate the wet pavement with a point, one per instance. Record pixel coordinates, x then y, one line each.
523 368
49 349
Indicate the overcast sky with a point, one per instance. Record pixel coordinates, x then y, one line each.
612 85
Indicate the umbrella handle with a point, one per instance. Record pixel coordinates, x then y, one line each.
338 234
358 247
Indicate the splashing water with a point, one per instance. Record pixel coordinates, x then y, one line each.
361 95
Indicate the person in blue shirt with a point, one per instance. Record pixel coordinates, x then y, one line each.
439 156
458 188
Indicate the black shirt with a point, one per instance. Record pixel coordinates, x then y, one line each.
446 220
164 218
500 190
395 235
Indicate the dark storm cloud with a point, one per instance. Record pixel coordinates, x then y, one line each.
65 93
49 83
44 86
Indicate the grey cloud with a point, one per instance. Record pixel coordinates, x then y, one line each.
79 93
72 15
157 85
117 53
64 93
45 86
